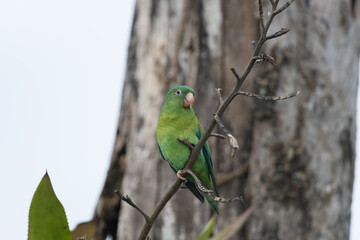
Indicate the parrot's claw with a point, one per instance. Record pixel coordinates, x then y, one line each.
183 186
180 176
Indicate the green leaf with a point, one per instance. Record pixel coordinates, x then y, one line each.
205 233
47 219
233 227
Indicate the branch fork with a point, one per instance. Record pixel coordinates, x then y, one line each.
128 200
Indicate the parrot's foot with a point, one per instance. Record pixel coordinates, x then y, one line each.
183 186
179 174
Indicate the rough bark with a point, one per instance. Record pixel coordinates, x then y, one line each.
302 160
301 151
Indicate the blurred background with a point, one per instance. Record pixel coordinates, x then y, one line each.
62 67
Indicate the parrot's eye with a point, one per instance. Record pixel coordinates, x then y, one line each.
178 92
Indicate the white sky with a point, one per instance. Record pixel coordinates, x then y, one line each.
61 70
355 207
62 65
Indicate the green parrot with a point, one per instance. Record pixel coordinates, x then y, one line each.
178 120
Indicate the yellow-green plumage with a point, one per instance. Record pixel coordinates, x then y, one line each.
177 121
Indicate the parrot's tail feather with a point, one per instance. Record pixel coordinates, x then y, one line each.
191 186
212 204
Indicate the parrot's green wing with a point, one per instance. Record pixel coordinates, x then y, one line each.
191 186
162 155
206 152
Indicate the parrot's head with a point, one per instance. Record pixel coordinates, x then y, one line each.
180 97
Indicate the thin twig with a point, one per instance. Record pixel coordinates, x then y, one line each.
278 33
158 208
228 200
275 11
217 135
186 143
233 141
238 78
268 98
264 57
128 200
285 6
254 44
261 15
273 4
218 92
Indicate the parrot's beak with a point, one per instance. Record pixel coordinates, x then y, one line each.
188 100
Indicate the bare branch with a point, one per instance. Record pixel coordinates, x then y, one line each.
268 98
158 208
186 143
217 135
285 6
228 200
273 4
236 74
233 141
254 44
278 33
218 92
261 15
264 57
128 200
272 15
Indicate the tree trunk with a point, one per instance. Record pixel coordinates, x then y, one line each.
300 151
302 161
